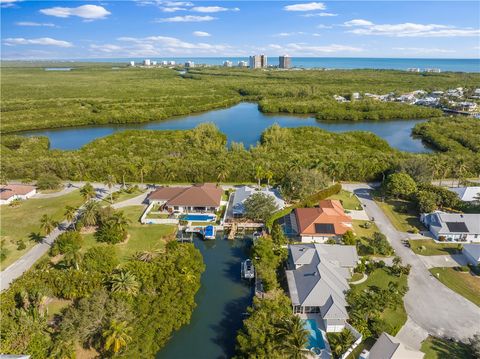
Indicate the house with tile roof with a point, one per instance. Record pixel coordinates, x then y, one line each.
317 278
318 224
201 198
9 193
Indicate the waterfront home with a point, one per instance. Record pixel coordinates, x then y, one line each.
453 227
12 192
467 194
318 224
317 277
388 347
200 198
472 253
237 207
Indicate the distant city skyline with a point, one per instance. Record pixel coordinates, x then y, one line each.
160 28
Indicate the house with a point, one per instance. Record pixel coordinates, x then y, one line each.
201 198
241 194
12 192
319 224
453 227
467 194
388 347
317 278
472 253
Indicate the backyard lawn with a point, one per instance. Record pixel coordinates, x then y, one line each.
380 278
464 283
428 247
142 237
20 222
402 214
437 348
349 201
364 232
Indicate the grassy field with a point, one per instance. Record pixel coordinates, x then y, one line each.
431 248
19 223
380 278
349 201
437 348
464 283
142 237
402 214
123 196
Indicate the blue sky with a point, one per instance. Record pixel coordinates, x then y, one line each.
154 28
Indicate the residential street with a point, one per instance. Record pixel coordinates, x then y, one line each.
429 304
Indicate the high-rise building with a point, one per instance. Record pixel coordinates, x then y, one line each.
258 61
242 64
146 62
285 62
227 63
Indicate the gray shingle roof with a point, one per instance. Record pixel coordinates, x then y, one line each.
473 250
441 220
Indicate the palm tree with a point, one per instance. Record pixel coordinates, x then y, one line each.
142 168
120 221
70 214
72 255
268 176
89 213
294 338
259 174
340 342
124 281
110 182
223 173
88 192
145 256
47 224
116 336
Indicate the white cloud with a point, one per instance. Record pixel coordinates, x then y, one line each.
106 48
212 9
162 3
173 9
89 12
322 26
408 29
201 34
8 3
422 50
319 14
306 7
286 34
31 23
186 18
44 41
302 49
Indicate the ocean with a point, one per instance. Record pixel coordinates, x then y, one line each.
456 65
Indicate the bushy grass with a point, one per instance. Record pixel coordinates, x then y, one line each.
464 283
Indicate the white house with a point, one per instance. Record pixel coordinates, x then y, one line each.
467 194
472 253
388 347
12 192
453 227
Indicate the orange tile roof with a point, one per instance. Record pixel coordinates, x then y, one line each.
15 189
329 212
204 195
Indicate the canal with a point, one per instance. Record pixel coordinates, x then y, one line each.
241 123
221 303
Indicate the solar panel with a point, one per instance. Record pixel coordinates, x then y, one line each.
324 228
457 227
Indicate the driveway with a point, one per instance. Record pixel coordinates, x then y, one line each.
429 304
453 260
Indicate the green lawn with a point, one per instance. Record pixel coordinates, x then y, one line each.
157 215
142 237
437 348
56 305
402 214
428 247
348 199
380 278
123 196
19 222
364 232
365 344
356 276
464 283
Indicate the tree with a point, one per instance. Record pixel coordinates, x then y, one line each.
426 201
142 168
88 191
116 336
111 233
124 281
259 172
268 176
278 236
380 244
259 206
340 342
89 213
400 185
293 338
48 181
100 259
47 224
349 238
69 214
110 182
302 183
475 345
72 256
222 173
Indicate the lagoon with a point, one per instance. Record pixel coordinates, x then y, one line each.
241 123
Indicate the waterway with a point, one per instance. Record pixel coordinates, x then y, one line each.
221 304
241 123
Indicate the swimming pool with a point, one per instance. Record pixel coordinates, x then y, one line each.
198 217
315 338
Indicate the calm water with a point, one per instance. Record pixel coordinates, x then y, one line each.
241 123
221 302
462 65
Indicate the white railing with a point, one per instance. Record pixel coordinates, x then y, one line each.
145 220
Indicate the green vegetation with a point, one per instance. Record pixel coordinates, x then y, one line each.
364 228
48 182
259 207
348 199
464 283
428 247
23 222
438 348
403 214
340 342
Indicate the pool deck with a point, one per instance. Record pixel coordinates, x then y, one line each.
326 353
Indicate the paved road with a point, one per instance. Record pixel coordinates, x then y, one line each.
25 262
453 260
430 305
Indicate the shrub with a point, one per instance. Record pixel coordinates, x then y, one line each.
100 259
48 181
400 185
21 245
65 241
463 269
109 233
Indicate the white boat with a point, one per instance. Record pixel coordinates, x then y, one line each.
247 270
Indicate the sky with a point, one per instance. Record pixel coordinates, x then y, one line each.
161 28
